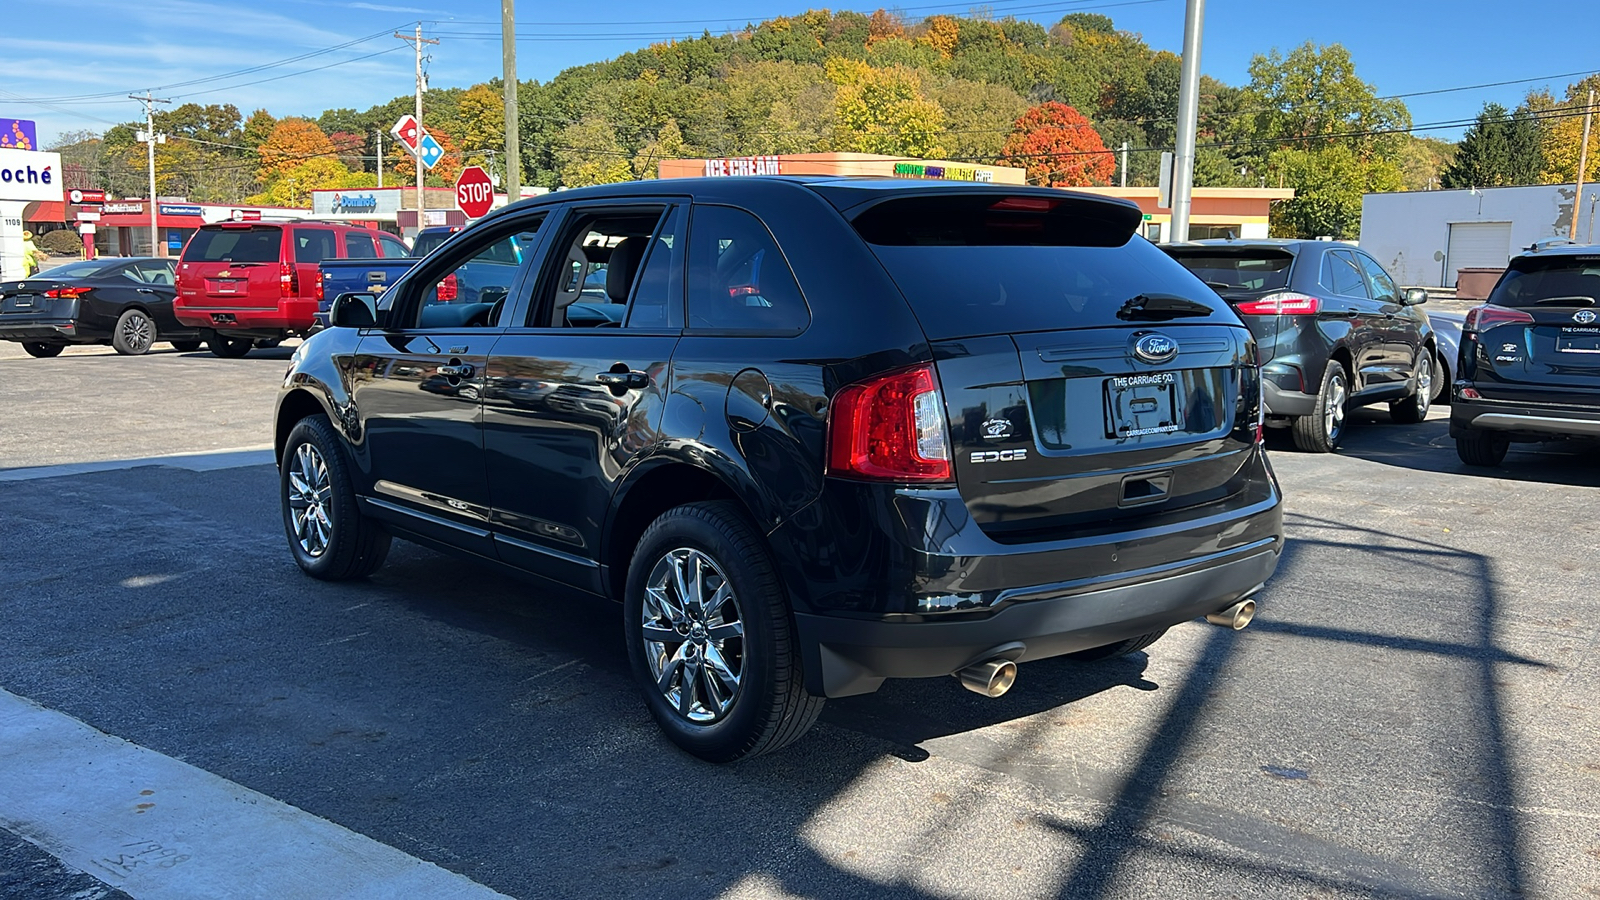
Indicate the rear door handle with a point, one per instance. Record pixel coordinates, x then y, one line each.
462 371
630 380
144 290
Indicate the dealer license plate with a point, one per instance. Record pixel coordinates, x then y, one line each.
1139 405
1578 340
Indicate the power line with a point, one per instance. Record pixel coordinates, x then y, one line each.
1005 6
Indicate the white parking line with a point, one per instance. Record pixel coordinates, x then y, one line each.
194 462
160 829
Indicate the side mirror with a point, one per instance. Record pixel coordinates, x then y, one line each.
354 310
1414 296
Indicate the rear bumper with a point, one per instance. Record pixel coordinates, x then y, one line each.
1534 422
904 584
289 316
851 656
47 330
1283 391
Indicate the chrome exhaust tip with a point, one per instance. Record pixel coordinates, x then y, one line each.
991 678
1236 616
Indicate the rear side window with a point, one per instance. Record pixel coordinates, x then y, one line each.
1266 271
1551 281
974 264
313 245
427 243
359 246
1340 275
738 279
256 244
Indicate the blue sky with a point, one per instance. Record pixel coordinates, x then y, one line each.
65 53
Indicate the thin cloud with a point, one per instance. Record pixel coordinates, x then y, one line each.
384 7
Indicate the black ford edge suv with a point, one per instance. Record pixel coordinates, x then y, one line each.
1530 357
838 431
1334 331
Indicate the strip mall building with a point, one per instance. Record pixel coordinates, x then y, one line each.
1216 212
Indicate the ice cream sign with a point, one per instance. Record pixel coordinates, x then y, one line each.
743 165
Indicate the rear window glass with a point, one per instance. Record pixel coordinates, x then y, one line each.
359 246
427 243
971 271
84 269
257 244
1239 272
1552 281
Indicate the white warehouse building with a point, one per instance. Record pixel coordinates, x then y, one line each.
1425 238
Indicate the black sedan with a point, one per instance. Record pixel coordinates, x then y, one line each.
1333 329
124 302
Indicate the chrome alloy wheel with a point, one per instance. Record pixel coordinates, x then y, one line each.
1424 383
693 635
138 333
1333 408
310 495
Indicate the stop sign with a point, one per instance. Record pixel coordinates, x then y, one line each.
474 192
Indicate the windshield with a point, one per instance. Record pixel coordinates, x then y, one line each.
1239 272
81 269
1552 281
256 244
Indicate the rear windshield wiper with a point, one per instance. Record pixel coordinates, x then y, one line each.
1162 306
1565 301
1221 286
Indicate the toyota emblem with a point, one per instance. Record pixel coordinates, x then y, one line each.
1583 316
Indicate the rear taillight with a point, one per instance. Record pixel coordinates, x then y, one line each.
317 290
67 293
449 289
1287 303
1482 318
288 279
891 428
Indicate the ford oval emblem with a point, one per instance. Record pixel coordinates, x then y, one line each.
1155 348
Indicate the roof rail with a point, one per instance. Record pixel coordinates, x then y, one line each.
1550 242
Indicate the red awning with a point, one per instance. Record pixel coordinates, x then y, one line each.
142 220
45 211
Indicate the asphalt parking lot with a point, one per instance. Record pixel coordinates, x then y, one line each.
1415 712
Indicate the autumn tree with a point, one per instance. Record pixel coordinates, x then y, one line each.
293 186
482 113
292 142
257 129
1058 147
1563 133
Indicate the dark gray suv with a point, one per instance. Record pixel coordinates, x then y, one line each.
1332 328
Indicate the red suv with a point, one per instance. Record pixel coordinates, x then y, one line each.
249 284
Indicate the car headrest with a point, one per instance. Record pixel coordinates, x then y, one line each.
622 266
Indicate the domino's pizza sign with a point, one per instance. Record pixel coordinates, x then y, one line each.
30 175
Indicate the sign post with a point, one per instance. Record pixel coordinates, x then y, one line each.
474 192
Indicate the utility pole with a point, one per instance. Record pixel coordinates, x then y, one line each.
380 159
150 139
417 42
508 66
1583 163
1124 182
1188 116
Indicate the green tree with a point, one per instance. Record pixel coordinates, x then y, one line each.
977 117
1313 97
591 154
1328 182
1500 148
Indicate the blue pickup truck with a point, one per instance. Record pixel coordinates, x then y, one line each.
495 267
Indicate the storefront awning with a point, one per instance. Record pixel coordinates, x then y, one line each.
45 211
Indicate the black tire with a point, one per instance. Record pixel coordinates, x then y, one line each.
186 346
1321 431
229 348
41 350
1414 408
340 543
1441 381
1480 447
134 334
768 706
1120 648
